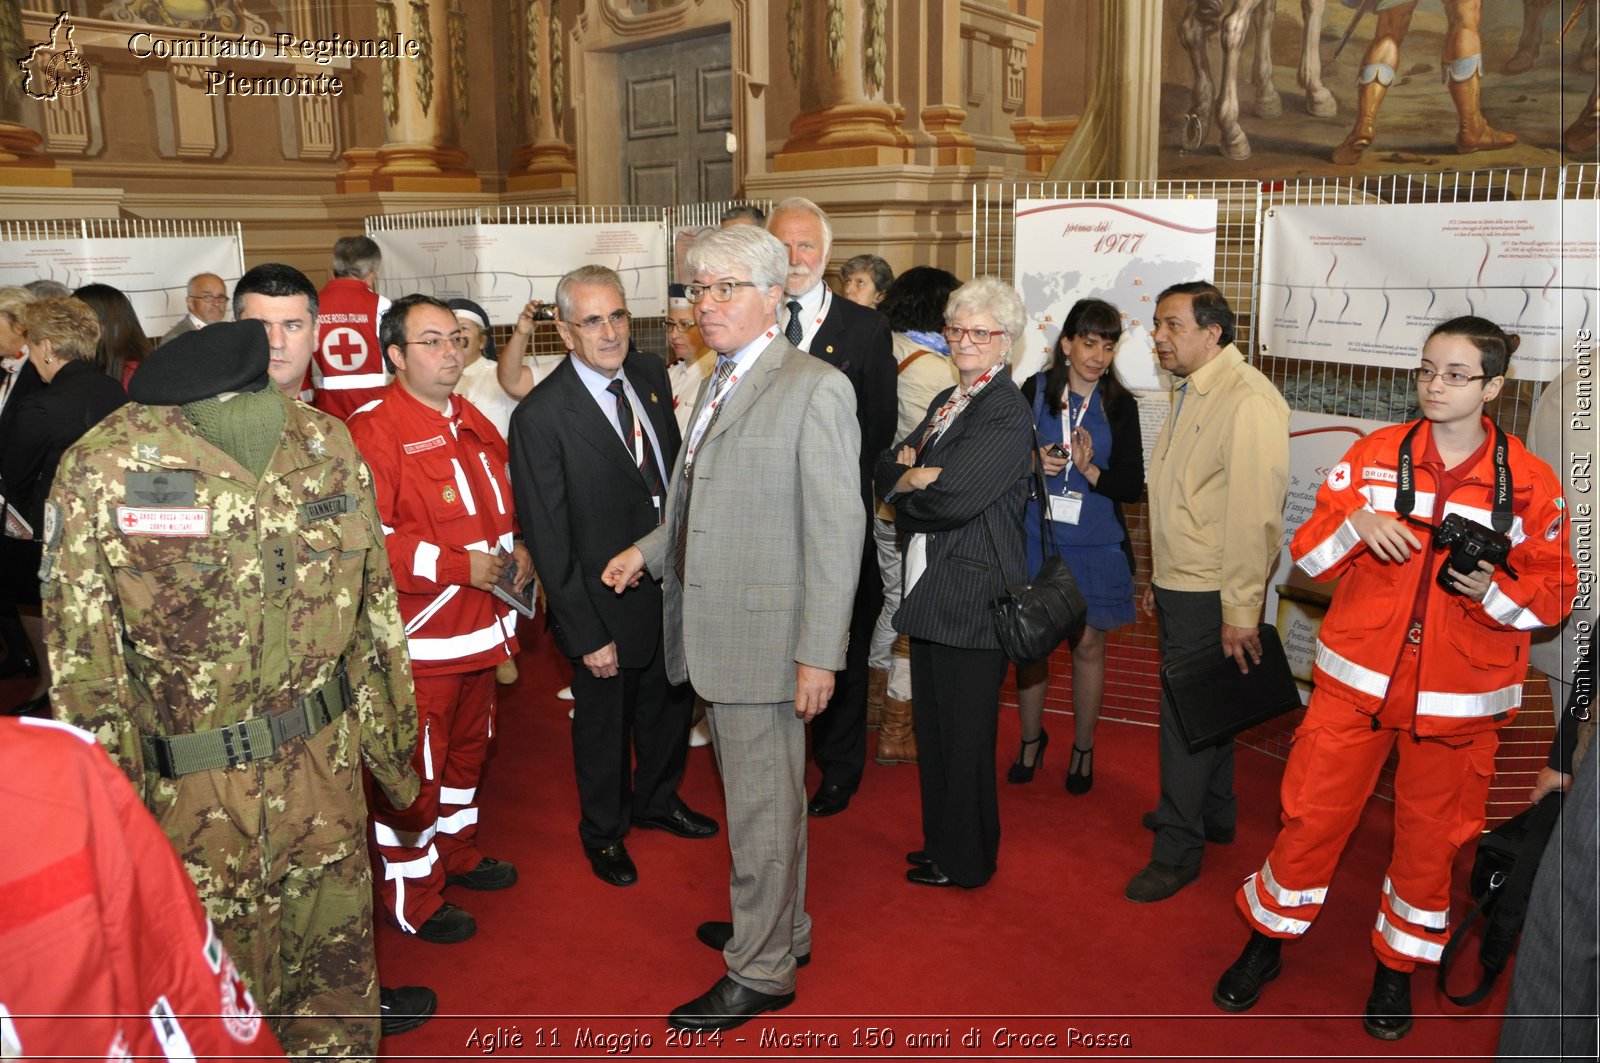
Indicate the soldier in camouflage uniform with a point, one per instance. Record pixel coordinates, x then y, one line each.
221 615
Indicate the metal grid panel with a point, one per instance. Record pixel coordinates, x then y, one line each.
117 228
554 214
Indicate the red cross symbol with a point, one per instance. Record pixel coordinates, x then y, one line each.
129 520
344 349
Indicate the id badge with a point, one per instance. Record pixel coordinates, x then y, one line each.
1066 508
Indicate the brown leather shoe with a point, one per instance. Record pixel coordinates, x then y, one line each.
1158 881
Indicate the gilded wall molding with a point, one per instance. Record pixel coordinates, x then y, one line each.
422 66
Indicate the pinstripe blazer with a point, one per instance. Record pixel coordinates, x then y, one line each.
985 463
774 531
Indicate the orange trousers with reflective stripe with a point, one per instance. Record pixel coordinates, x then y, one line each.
1441 791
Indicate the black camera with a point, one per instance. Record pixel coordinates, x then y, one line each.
544 312
1468 542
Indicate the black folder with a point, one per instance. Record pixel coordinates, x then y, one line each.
1213 701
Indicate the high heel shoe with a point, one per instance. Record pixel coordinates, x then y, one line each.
1022 772
1080 776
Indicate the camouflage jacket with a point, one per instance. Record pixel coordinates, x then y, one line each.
182 595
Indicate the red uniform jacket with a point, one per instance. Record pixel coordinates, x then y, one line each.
347 370
107 951
442 490
1472 656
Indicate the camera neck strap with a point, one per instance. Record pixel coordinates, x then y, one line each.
1405 498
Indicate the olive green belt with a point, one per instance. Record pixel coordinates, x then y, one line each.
257 738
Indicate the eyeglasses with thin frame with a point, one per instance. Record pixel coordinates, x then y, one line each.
617 319
1423 375
679 326
210 298
979 336
721 291
458 340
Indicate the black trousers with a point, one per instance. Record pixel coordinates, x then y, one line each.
630 734
955 706
839 735
1196 788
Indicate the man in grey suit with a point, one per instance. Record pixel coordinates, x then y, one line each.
207 303
758 562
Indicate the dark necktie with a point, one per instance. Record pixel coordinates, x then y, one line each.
794 331
680 546
647 468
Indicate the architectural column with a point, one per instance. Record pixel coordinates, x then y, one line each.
1042 138
545 161
838 50
1120 133
419 152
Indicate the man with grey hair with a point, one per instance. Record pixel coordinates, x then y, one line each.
757 606
856 341
349 369
591 449
207 302
743 214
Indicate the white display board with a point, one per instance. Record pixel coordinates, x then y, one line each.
1296 603
153 271
502 266
1122 251
1366 284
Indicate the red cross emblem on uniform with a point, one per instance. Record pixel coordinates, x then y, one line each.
1339 476
449 494
345 349
129 520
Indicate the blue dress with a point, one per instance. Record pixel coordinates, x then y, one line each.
1092 548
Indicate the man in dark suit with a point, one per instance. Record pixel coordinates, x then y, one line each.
591 450
856 341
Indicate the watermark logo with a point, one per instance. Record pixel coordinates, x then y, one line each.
56 68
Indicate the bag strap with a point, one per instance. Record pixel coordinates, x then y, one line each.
918 353
1042 492
1451 947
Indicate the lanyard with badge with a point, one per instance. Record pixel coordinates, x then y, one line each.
1067 507
717 398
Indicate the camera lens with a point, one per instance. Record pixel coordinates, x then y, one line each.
547 312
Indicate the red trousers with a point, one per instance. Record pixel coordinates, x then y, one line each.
437 835
1441 789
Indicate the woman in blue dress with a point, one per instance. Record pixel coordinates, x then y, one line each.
1093 459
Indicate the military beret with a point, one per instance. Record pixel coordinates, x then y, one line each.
227 356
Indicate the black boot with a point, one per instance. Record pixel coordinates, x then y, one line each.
1240 985
1388 1015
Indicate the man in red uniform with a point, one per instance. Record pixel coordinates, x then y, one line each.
108 951
348 370
449 524
1417 650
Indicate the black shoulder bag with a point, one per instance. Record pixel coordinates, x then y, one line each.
1031 619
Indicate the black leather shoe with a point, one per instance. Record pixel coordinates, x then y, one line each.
1157 881
831 799
685 822
1020 771
717 934
726 1005
1214 835
448 925
929 875
39 706
404 1008
919 857
1388 1016
1240 985
490 874
612 864
1080 773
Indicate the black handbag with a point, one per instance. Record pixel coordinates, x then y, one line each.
1031 619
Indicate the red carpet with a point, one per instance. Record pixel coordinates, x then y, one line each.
564 965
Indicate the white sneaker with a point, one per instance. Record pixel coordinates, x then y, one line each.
564 694
700 734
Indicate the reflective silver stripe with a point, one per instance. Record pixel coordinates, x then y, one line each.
425 562
427 751
453 823
400 906
169 1031
418 868
1408 944
1271 920
1486 517
448 649
1411 913
401 839
1350 673
352 381
455 795
499 501
1327 553
1466 706
1290 898
1382 497
432 607
465 488
1509 613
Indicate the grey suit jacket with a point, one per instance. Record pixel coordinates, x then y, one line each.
184 325
774 531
